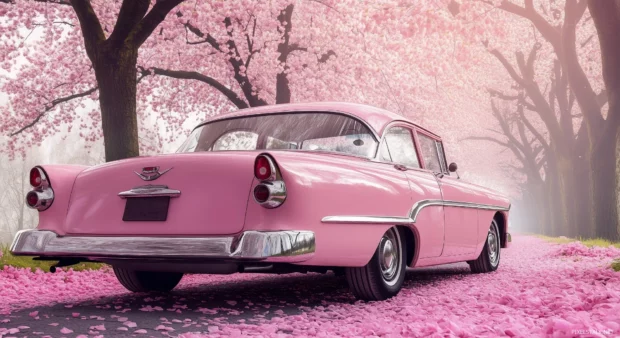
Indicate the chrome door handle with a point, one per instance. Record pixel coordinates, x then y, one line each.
400 167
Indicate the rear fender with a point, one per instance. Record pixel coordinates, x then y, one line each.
484 222
320 185
61 178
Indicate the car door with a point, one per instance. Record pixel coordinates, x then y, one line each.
398 147
461 224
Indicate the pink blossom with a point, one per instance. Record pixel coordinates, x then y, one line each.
64 330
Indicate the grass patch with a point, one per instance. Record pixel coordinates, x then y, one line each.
28 262
589 242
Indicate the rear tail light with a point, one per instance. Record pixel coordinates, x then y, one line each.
264 168
261 193
271 191
36 177
42 196
32 199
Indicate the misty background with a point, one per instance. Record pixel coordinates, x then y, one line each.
492 78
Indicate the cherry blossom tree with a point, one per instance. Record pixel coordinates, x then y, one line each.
572 121
583 160
203 59
435 61
113 58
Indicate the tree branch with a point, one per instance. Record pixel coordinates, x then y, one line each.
192 75
505 97
132 11
57 2
90 25
533 91
155 16
196 31
586 97
487 138
52 104
240 76
326 56
534 131
601 98
511 70
550 33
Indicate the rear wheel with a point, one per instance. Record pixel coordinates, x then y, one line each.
145 281
384 274
488 260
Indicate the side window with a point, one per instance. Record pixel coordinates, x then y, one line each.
398 147
442 158
236 140
428 147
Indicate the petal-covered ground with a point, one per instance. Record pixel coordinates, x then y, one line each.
541 289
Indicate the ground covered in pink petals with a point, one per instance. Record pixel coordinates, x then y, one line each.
541 289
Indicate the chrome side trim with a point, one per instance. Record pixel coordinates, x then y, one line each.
273 246
149 191
418 206
367 219
413 213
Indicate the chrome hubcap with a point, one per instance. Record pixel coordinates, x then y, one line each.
493 245
390 255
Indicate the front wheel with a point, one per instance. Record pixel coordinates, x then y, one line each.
488 260
384 274
146 281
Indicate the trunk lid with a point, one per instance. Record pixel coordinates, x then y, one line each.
214 190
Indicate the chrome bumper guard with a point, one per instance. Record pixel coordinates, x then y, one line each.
270 246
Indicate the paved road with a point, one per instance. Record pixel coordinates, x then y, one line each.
196 308
535 292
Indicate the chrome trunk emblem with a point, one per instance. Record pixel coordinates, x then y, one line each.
151 173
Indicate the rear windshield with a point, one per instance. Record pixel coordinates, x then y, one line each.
291 131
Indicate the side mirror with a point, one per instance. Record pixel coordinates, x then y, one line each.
452 167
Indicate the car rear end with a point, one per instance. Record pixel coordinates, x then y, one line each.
161 210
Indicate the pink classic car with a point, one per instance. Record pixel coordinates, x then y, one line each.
285 188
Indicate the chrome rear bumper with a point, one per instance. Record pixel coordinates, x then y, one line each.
270 246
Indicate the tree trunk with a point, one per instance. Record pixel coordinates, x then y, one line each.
582 181
562 193
114 59
537 214
605 158
560 196
606 186
116 75
283 90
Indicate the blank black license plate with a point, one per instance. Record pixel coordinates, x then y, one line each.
146 208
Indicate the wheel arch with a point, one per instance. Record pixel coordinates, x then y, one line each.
501 220
411 238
